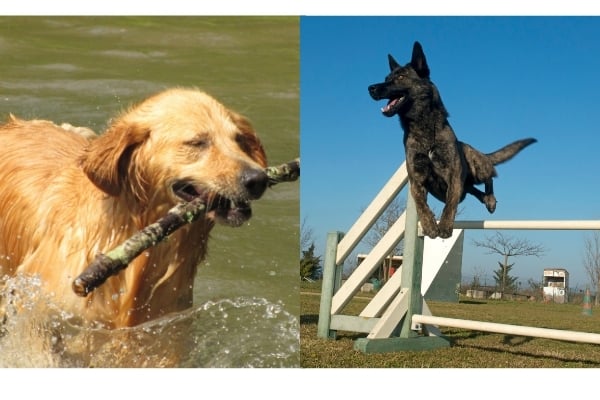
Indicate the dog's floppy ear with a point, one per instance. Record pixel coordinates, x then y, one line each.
106 159
247 140
393 63
418 61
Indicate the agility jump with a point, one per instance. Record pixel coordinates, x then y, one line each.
398 317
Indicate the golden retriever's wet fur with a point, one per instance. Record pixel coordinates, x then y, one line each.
65 197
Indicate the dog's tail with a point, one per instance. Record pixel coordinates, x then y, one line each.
509 151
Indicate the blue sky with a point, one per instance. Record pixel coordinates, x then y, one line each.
501 79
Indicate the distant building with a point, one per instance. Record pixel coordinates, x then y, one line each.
386 269
555 285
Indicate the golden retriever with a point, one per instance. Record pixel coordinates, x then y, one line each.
65 197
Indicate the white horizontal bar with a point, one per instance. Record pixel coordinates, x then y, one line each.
558 334
533 225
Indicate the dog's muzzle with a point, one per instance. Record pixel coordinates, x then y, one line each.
375 91
379 91
224 206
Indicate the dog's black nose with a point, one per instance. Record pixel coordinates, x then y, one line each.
255 181
374 91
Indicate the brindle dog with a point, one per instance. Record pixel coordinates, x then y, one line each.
436 161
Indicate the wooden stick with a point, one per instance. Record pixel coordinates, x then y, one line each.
105 265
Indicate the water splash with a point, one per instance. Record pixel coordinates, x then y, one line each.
237 332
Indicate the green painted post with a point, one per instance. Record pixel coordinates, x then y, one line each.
407 339
332 280
412 267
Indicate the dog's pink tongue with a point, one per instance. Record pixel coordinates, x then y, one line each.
389 105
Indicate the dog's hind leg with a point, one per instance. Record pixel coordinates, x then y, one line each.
489 199
486 198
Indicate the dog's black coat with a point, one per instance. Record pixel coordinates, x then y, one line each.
436 161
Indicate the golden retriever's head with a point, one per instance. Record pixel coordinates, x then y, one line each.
176 146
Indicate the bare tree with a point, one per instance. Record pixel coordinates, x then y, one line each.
381 226
591 261
507 246
350 264
535 287
306 235
477 280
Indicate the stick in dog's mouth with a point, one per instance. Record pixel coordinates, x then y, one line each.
225 210
229 212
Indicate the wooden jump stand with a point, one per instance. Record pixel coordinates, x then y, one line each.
398 318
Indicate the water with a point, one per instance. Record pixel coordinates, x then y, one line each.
229 332
84 70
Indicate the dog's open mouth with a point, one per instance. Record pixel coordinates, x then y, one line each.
391 108
396 98
225 210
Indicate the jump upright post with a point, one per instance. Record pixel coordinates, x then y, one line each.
398 318
409 300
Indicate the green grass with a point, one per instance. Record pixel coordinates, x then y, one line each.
469 349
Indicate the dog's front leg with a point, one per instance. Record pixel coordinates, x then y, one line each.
453 196
419 168
428 223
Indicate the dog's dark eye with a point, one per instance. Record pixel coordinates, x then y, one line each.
199 142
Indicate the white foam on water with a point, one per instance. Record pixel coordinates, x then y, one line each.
232 332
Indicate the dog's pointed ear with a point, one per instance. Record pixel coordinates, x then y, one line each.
418 61
106 159
393 63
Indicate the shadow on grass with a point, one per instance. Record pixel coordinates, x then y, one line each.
512 342
306 319
586 362
472 302
508 340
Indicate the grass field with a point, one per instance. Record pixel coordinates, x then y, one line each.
469 349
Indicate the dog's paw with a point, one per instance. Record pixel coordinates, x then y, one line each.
445 229
490 203
430 230
445 234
